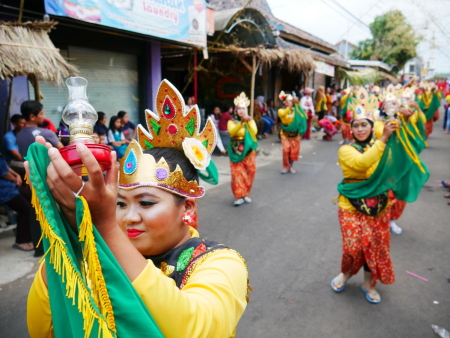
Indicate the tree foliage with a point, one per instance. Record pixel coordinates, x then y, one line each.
393 41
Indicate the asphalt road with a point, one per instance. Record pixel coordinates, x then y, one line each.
291 240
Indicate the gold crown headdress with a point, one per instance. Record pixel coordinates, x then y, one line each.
363 106
172 127
241 101
285 97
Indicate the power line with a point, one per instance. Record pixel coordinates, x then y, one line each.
326 3
376 4
351 14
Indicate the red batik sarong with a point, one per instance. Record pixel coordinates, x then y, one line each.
397 206
291 149
366 239
428 127
242 175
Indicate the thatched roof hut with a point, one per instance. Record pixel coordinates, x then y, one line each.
295 60
26 50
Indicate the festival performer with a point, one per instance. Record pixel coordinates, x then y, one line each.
412 122
429 103
364 223
242 151
192 287
306 103
346 115
293 125
321 102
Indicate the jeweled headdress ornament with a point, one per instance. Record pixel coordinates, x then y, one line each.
241 101
285 97
363 106
172 127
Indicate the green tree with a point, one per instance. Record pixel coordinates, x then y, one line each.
393 41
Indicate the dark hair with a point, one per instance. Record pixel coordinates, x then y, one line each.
29 108
101 116
100 134
269 100
16 118
122 113
173 158
112 121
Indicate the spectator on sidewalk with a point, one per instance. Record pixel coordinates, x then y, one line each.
10 147
116 137
10 184
128 128
33 113
100 126
223 123
48 124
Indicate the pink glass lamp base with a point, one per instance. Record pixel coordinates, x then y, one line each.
101 152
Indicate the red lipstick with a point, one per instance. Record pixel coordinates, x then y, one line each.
134 232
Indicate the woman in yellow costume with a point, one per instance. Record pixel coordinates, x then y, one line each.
242 151
293 125
321 102
192 287
364 222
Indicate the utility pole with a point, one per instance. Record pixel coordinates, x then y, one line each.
431 65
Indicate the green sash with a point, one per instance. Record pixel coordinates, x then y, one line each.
250 143
90 295
299 123
212 174
399 169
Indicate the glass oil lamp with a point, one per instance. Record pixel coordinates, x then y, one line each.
80 116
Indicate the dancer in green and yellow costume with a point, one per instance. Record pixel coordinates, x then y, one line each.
142 270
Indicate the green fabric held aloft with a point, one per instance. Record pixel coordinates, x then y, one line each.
212 174
67 320
434 105
299 123
249 144
396 170
429 111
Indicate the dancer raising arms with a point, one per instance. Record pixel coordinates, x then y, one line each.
190 286
242 151
293 125
364 222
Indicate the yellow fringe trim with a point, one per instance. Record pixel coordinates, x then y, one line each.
60 260
410 150
94 269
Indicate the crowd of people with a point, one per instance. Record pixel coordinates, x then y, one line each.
150 225
32 122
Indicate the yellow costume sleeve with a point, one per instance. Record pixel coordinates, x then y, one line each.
358 166
39 318
286 116
447 98
378 129
210 305
252 127
234 128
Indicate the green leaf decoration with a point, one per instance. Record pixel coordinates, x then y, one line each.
190 127
184 259
148 145
155 126
205 143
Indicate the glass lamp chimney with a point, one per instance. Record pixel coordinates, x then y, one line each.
79 114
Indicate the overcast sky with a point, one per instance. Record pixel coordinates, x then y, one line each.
329 21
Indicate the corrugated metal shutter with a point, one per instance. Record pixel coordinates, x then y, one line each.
113 83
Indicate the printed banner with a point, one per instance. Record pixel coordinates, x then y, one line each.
324 68
177 20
